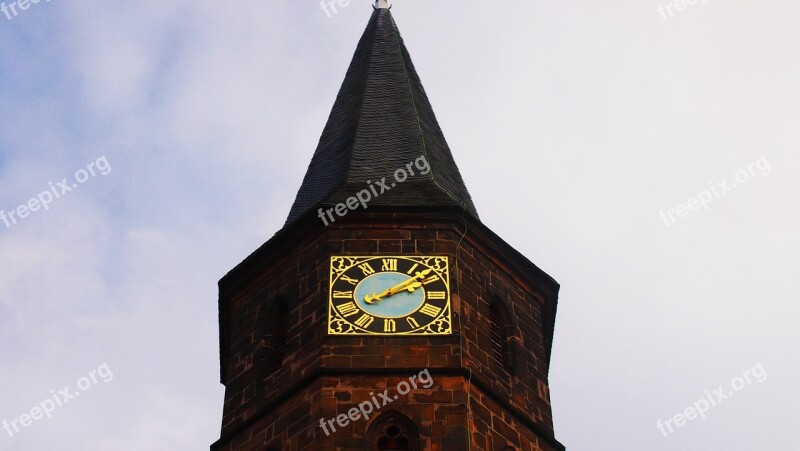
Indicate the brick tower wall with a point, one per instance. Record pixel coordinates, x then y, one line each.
323 377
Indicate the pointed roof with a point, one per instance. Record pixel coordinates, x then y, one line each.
381 121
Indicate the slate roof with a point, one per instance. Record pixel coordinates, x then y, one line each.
381 121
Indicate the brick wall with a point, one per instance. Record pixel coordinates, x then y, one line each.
325 376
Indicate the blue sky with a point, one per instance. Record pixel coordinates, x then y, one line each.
574 125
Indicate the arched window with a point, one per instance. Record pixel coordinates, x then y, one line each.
281 334
393 431
272 330
501 333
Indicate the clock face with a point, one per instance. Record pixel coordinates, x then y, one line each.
389 295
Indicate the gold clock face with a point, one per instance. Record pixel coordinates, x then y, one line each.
389 295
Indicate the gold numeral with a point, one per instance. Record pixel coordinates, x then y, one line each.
412 322
389 325
436 295
389 264
430 310
348 309
349 280
365 321
366 269
430 279
342 294
413 268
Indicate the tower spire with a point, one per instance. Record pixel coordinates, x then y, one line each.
380 122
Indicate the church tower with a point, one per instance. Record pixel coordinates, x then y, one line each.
384 315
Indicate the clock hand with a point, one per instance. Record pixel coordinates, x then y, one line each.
413 280
373 298
411 284
412 287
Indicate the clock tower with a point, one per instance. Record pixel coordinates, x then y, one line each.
385 315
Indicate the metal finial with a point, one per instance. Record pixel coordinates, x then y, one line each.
382 4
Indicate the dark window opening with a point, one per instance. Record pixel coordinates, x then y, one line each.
501 335
498 338
393 431
393 439
281 334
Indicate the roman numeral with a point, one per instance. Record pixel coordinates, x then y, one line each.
348 309
412 322
430 310
389 325
413 268
389 264
342 294
366 269
430 279
436 294
365 321
352 282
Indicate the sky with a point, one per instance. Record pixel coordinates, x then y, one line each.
643 153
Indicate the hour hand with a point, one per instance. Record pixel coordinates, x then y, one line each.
407 285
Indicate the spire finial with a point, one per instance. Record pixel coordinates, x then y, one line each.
382 4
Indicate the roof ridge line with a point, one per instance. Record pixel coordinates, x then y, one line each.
410 88
416 114
360 109
346 175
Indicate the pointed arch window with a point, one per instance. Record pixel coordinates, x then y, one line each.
393 431
281 334
501 334
272 329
